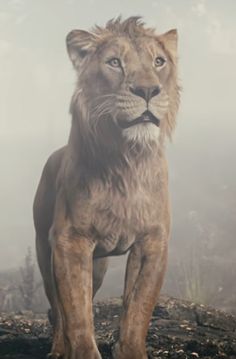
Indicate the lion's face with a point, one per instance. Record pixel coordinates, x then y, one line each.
127 76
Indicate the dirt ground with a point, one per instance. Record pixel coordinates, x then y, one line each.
178 330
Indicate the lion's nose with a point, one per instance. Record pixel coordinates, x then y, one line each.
146 92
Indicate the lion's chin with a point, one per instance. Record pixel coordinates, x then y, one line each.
143 134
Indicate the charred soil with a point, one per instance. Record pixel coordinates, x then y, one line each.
178 330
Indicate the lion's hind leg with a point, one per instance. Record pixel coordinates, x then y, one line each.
99 271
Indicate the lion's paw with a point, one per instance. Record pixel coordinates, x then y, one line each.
126 352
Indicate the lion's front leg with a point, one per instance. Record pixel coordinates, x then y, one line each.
144 276
72 266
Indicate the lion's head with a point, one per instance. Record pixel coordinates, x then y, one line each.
127 80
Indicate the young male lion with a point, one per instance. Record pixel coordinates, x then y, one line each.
106 192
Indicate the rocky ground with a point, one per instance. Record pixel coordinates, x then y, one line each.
178 330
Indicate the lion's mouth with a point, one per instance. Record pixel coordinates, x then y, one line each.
146 117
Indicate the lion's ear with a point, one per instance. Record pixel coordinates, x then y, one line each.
79 44
170 41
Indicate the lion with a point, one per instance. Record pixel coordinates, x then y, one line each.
106 192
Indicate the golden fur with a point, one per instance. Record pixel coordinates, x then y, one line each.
106 192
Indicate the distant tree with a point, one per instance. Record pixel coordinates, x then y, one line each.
27 286
200 272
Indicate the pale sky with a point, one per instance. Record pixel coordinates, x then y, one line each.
37 81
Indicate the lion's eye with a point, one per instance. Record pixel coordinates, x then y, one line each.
159 61
114 62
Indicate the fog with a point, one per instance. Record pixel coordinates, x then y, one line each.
36 84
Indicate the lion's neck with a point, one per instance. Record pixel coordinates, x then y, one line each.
107 158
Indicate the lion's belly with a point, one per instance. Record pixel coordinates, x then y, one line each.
115 245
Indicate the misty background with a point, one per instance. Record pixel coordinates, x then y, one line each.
36 83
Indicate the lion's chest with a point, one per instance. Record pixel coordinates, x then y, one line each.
117 219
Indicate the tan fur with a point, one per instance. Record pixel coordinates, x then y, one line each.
106 192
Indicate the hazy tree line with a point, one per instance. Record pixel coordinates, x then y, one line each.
22 289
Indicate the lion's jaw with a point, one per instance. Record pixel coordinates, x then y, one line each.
110 92
144 134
